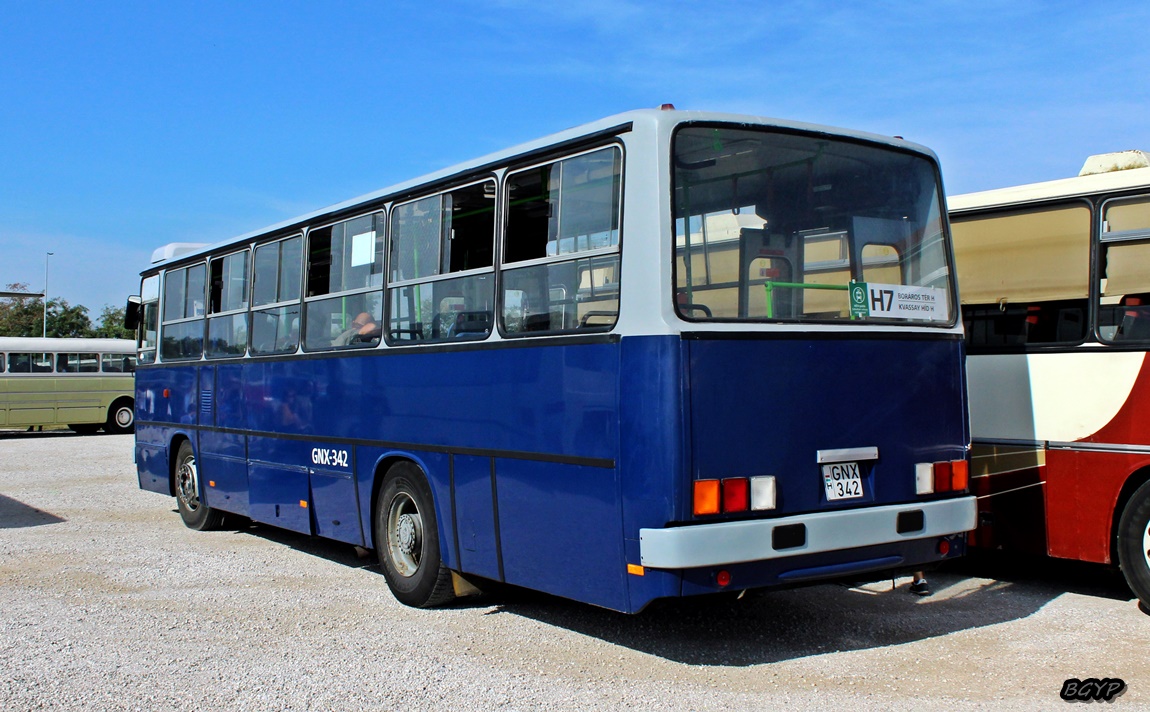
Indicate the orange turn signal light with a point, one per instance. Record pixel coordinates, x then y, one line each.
706 498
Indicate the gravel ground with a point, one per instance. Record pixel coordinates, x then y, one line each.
108 603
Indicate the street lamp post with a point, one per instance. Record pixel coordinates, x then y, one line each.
46 256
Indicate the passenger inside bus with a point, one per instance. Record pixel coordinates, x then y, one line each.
362 329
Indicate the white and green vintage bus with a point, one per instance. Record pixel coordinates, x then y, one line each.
85 384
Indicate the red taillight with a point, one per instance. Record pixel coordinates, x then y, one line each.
713 496
944 547
942 477
706 499
736 494
723 578
951 476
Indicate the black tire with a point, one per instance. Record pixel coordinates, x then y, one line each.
407 539
121 417
1134 543
195 513
85 429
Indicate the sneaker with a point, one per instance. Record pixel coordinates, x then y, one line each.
920 588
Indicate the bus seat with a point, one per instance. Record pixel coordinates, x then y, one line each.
537 322
1069 327
472 322
1135 322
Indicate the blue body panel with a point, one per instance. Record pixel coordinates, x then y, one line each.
767 407
545 459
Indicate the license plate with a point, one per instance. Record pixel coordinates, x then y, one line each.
842 480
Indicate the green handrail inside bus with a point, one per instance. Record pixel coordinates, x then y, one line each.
770 287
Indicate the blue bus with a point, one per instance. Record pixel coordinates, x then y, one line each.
667 353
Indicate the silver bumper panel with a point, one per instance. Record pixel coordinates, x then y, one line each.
734 542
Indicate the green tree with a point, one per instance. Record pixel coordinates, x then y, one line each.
21 316
66 320
111 324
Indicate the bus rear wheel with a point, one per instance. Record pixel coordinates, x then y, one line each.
121 417
407 539
193 510
1134 543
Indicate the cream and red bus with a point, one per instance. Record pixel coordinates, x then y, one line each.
1054 280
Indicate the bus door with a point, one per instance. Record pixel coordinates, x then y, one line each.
222 451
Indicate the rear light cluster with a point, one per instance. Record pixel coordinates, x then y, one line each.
734 494
931 477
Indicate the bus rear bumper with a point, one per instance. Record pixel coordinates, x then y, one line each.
722 543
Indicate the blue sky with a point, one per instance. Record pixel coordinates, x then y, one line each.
128 125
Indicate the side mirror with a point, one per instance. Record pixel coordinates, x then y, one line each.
132 313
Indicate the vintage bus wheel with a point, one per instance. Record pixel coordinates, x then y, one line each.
121 417
195 513
407 539
1134 543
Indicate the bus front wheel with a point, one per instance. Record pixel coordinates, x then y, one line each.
193 510
1134 543
407 539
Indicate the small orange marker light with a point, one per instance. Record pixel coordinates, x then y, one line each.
211 483
706 497
958 474
635 570
303 503
167 393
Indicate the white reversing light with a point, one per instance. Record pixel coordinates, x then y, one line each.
923 478
763 492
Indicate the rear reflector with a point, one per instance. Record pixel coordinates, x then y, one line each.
706 497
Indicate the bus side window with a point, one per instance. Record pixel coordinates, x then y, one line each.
442 249
30 363
182 337
277 272
117 363
564 218
228 297
1124 290
345 272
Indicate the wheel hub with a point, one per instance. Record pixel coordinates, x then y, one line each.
188 485
1146 544
405 531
